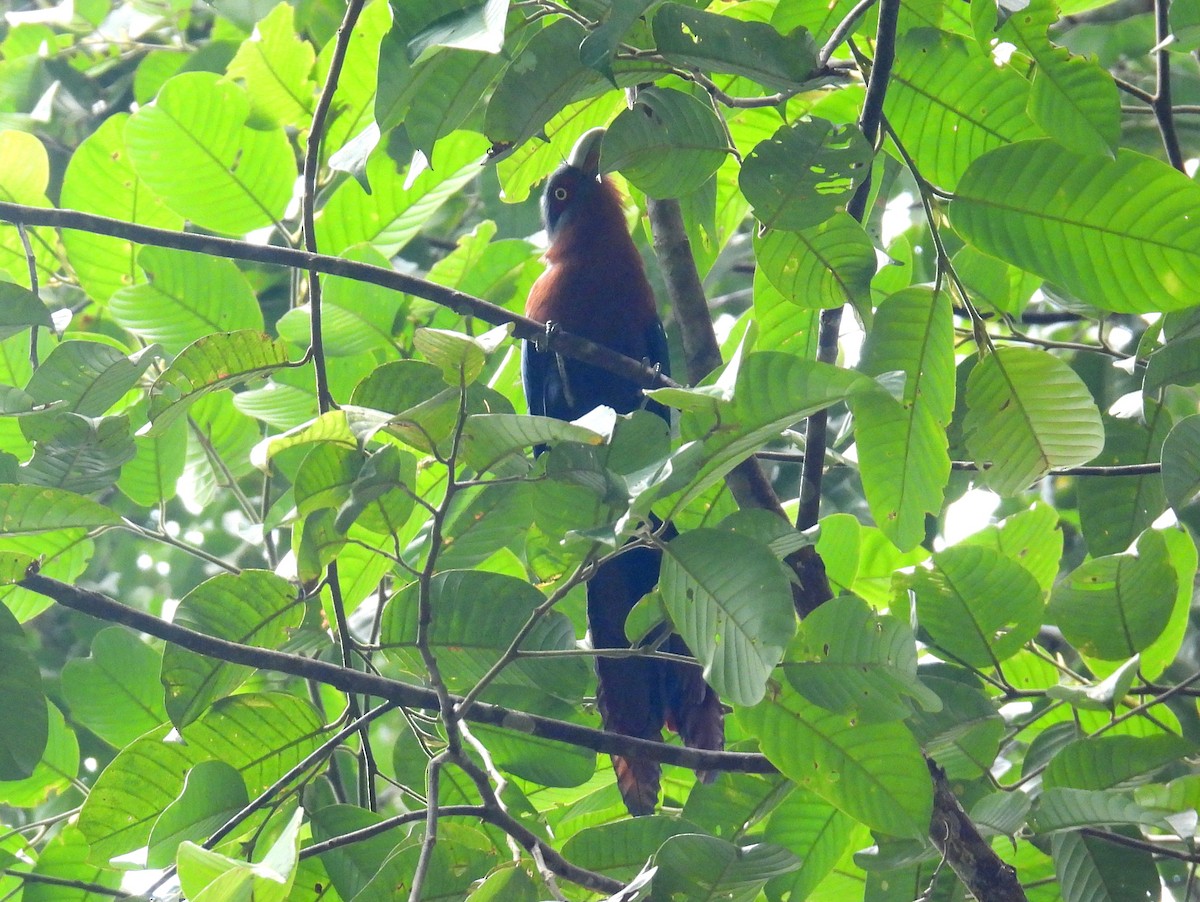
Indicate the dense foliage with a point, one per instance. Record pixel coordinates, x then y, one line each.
287 597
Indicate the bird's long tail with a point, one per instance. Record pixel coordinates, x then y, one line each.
639 696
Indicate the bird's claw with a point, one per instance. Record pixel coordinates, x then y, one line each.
542 343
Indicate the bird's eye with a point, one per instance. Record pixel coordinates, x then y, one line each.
560 193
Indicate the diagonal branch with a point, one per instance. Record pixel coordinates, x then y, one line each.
96 604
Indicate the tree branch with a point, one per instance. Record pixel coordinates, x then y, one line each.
231 249
96 604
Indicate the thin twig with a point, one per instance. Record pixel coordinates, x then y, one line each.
843 30
31 262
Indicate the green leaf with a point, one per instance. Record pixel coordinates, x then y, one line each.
950 104
1184 19
694 866
902 444
115 691
381 495
1114 510
207 364
963 734
476 27
1175 363
22 703
716 43
621 848
824 163
532 161
598 47
20 308
65 859
24 180
151 476
847 658
206 875
668 144
433 97
77 453
489 437
873 772
89 377
771 391
546 77
1181 463
1072 98
27 509
477 617
195 151
399 204
1028 412
261 735
185 297
275 64
254 607
54 773
460 357
1092 869
213 792
1105 762
1114 607
1030 537
355 317
737 621
812 829
978 606
826 266
1088 223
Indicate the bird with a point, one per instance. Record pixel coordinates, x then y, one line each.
595 286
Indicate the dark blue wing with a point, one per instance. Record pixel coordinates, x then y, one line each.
533 378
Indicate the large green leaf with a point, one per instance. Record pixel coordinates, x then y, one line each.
547 77
847 658
261 735
902 444
185 297
978 606
212 793
736 620
950 104
22 703
26 509
824 162
1117 233
476 616
195 150
100 179
88 377
1092 869
716 43
695 866
1105 762
1072 98
1028 412
115 692
668 144
621 848
813 829
216 361
77 453
275 64
254 607
1181 463
399 203
1114 607
873 772
826 266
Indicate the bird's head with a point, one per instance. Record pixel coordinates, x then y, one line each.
576 184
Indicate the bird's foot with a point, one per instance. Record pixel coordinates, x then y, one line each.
542 343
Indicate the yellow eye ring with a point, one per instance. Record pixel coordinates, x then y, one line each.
560 193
